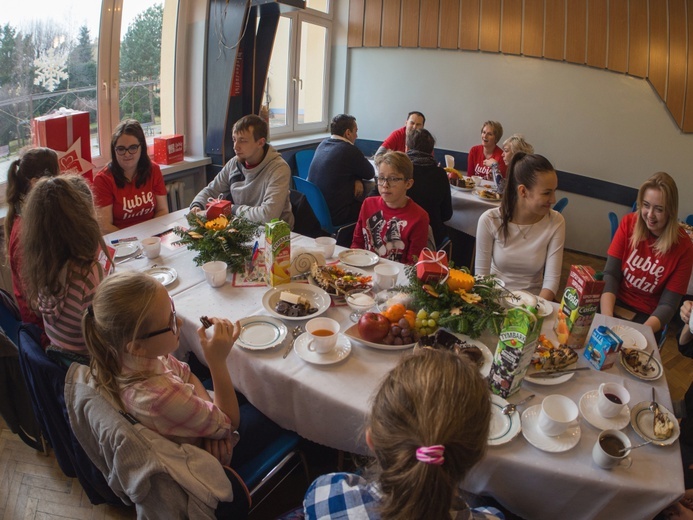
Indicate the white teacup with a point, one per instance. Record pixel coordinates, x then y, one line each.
327 245
557 412
215 273
386 276
323 334
606 452
477 180
611 399
151 246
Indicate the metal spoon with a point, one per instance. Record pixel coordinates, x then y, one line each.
653 404
136 257
510 408
623 450
296 332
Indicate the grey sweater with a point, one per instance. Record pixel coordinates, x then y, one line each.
259 194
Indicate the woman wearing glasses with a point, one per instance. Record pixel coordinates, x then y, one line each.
131 188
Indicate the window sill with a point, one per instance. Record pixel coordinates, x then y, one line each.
293 142
188 163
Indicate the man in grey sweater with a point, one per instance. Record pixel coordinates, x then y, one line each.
257 178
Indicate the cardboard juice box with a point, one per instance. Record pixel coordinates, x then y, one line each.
516 345
602 348
578 305
278 252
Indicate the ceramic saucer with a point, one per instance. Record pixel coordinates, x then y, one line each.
504 428
631 338
588 409
341 350
530 429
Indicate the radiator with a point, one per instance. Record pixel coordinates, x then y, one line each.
175 192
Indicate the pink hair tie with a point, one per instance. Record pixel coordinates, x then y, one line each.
431 454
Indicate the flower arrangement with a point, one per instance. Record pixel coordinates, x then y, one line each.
466 305
223 238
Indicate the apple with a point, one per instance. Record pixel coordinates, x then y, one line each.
373 327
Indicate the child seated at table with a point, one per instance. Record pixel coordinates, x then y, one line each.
423 449
392 225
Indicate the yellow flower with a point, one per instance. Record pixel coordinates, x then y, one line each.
218 223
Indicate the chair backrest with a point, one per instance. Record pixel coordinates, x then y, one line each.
305 221
345 235
46 383
317 201
561 204
613 220
303 160
10 319
689 220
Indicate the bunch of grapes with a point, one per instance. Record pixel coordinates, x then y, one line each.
427 323
401 333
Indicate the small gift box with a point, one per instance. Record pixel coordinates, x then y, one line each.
217 207
432 266
168 149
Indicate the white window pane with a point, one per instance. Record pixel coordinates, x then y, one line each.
312 73
278 76
318 5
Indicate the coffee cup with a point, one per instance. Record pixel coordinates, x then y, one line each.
607 452
327 245
323 334
557 412
611 399
386 276
151 246
215 273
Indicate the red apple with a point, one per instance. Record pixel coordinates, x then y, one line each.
373 327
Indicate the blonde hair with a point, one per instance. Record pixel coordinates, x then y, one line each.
497 129
432 397
118 313
399 161
517 143
670 195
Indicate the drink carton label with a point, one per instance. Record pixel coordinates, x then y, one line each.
278 252
579 305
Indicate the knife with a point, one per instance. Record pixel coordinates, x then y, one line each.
550 374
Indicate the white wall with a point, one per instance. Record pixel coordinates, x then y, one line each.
586 121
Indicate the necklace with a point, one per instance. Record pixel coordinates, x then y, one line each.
524 235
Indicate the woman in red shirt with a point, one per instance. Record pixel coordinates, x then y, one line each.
650 257
482 156
131 188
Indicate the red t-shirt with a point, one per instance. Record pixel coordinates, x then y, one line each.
131 205
15 252
475 162
397 140
645 275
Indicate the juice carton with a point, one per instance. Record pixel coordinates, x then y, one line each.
516 345
602 348
278 252
578 305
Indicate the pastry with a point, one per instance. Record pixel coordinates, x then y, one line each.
548 356
663 426
335 280
445 340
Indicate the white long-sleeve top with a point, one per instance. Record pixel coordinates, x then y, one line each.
531 256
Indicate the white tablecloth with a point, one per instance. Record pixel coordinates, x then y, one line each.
329 405
466 210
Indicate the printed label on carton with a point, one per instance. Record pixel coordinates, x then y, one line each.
579 304
278 252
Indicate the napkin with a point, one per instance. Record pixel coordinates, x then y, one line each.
449 161
303 258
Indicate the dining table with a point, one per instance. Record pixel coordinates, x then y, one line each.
467 208
329 403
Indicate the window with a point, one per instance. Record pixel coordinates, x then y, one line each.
101 57
297 82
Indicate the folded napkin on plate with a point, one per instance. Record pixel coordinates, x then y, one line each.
303 258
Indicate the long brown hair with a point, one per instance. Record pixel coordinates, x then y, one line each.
144 165
118 312
63 233
432 397
663 182
33 163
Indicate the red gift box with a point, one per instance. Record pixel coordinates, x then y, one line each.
66 132
432 266
168 149
218 207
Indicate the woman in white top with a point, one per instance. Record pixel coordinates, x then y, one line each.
522 241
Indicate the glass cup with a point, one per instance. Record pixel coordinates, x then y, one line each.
360 301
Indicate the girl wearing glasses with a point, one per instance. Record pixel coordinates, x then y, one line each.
65 259
131 330
131 188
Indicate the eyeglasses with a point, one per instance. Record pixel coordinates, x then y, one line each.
382 181
172 326
132 149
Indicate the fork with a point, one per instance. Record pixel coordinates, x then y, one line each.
295 332
136 257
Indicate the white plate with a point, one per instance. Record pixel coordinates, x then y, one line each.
261 332
353 333
165 275
563 442
315 294
341 350
642 420
459 188
504 428
477 195
358 257
588 409
125 249
485 368
349 269
658 371
549 381
631 338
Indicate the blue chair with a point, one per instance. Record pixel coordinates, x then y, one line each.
689 220
317 201
303 160
613 219
561 204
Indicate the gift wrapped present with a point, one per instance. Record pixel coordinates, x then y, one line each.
216 207
168 149
432 266
67 132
